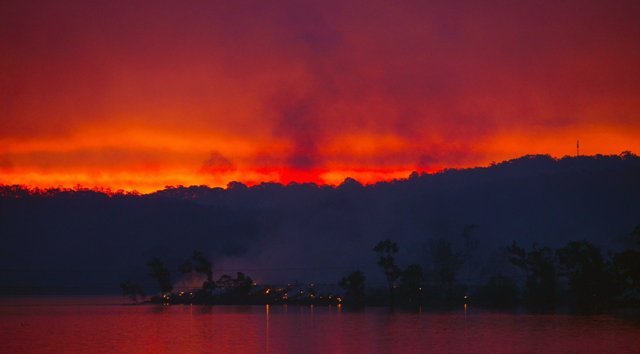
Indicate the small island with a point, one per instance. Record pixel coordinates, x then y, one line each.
577 277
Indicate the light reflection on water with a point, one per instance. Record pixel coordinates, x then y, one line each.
81 327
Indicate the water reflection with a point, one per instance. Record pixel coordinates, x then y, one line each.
266 310
306 329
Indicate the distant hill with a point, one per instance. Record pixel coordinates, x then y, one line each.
88 241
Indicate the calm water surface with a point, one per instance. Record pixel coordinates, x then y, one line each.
38 326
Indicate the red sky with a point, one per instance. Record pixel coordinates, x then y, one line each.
143 94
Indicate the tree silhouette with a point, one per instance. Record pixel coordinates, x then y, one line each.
243 283
236 289
627 268
353 285
411 284
539 267
590 281
445 264
161 274
199 264
386 251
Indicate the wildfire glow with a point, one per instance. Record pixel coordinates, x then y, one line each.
126 98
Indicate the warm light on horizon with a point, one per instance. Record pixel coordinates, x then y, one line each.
148 182
286 93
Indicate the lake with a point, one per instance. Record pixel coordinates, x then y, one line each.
84 325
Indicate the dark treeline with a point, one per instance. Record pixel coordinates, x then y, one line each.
454 226
577 276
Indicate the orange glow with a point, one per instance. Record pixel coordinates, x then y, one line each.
137 164
101 96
